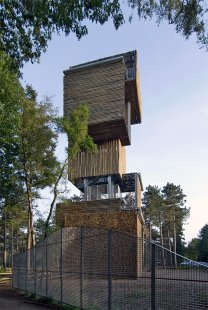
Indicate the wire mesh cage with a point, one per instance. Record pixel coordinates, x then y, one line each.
105 269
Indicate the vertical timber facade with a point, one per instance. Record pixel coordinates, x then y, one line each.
110 88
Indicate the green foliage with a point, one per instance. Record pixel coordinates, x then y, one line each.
203 244
164 209
11 94
39 227
192 250
76 127
37 141
197 248
27 26
12 193
152 205
28 139
176 212
188 17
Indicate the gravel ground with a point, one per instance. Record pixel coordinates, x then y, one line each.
10 300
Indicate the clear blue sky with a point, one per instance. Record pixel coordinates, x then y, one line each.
171 143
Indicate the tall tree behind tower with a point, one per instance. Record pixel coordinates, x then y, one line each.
37 144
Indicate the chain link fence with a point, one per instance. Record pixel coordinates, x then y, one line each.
97 269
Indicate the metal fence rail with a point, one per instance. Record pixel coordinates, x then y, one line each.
98 269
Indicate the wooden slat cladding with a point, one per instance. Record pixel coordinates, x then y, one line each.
106 85
132 94
132 86
102 87
110 130
110 158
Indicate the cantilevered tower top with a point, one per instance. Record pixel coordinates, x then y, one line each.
110 87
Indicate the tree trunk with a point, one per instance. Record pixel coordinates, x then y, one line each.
12 246
17 241
162 244
171 260
55 194
28 231
150 232
174 241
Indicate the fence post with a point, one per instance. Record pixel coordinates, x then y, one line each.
61 267
46 268
81 265
18 271
35 288
27 267
12 277
109 269
152 276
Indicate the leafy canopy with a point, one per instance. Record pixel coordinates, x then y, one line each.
76 128
37 141
203 244
27 26
165 209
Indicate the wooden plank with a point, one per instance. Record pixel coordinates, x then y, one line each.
106 88
102 88
110 158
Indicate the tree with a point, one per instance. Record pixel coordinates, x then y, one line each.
188 17
39 227
203 244
28 139
37 140
76 128
14 224
192 249
164 210
11 187
176 214
27 26
154 212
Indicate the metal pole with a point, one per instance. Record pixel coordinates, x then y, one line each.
18 271
136 190
35 289
81 266
27 267
5 243
153 277
46 268
12 246
109 187
85 190
61 266
174 240
109 269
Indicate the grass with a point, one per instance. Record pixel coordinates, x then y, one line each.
49 301
203 299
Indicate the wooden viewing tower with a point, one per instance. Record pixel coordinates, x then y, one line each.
110 87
